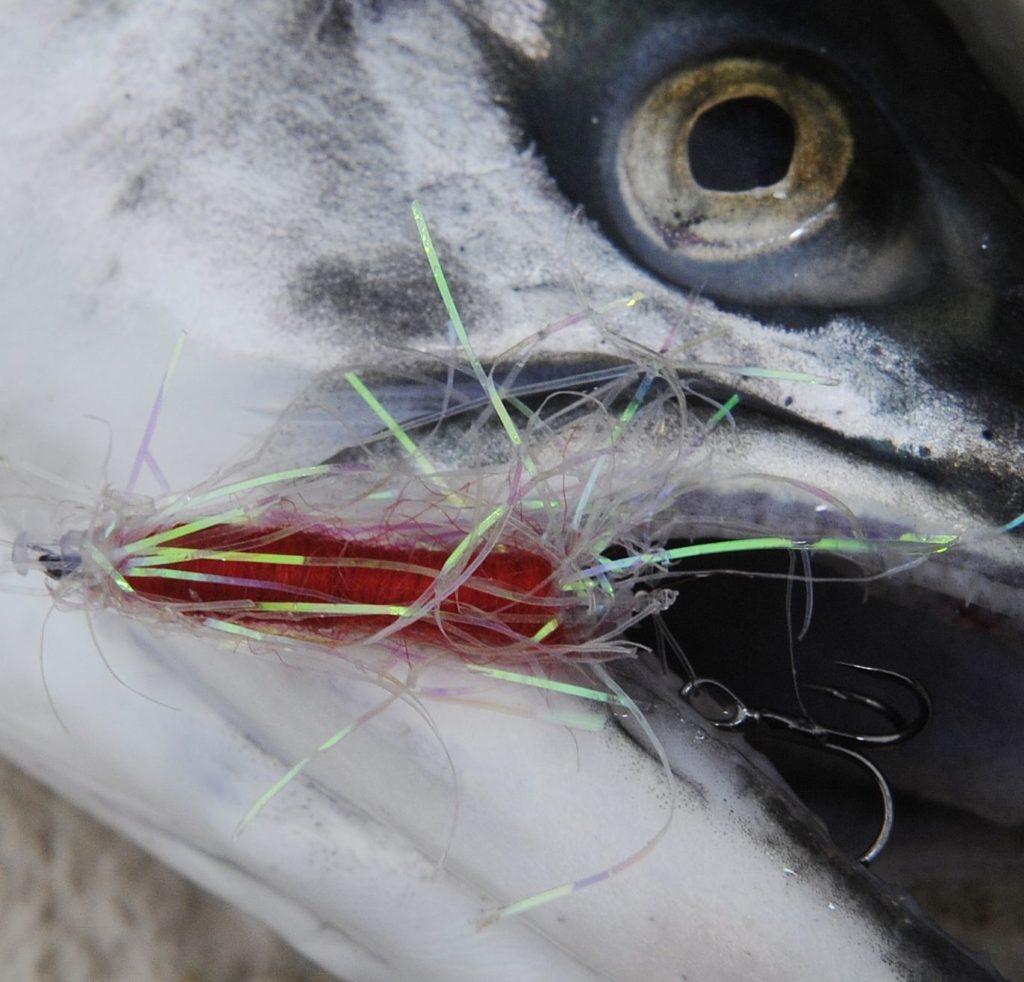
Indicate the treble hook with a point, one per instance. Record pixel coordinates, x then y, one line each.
718 704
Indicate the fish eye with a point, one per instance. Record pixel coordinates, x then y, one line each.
760 157
742 162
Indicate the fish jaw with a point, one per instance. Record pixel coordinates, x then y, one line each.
348 866
397 858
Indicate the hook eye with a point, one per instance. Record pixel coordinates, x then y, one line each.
56 561
716 702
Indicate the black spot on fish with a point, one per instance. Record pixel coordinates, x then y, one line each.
323 22
133 193
386 290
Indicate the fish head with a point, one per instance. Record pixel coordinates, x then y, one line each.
821 210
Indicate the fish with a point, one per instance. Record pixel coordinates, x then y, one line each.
243 174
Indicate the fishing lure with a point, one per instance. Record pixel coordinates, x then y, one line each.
527 560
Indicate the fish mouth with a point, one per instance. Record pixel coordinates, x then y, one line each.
763 623
771 628
741 512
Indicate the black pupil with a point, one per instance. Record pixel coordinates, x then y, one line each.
741 144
